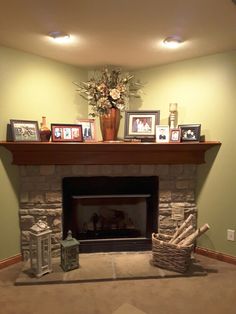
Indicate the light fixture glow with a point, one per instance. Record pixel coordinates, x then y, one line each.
172 42
60 37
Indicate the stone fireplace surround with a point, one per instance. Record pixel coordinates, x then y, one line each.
41 193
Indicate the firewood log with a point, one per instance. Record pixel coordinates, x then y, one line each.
183 235
181 228
192 237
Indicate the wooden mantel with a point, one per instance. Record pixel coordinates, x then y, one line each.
102 153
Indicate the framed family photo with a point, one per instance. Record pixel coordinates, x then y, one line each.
24 130
67 133
175 135
141 124
162 133
89 129
190 132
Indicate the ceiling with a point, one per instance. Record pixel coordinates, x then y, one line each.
126 33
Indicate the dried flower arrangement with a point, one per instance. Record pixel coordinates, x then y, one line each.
106 90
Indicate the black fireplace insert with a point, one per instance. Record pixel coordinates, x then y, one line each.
111 213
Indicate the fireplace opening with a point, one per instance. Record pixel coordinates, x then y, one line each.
111 213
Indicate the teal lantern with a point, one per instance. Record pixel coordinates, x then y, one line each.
69 253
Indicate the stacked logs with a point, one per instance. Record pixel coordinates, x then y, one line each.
186 235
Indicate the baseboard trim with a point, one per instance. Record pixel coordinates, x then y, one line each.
10 261
216 255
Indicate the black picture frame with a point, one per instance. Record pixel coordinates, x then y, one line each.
24 130
141 124
190 132
66 132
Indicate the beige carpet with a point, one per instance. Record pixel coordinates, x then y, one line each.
211 294
128 309
106 267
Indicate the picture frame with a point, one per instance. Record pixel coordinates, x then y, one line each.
175 135
190 132
66 132
141 124
24 130
88 129
9 136
162 133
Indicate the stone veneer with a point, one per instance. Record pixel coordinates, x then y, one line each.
41 195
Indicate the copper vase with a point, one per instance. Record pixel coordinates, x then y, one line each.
109 124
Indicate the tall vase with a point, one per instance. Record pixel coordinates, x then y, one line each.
109 125
45 132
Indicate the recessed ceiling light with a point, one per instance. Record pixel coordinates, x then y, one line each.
172 42
60 37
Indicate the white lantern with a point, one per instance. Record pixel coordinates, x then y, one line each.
40 249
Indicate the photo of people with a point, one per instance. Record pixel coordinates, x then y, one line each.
162 133
25 130
189 135
75 133
190 132
87 134
88 127
175 135
58 133
66 133
142 125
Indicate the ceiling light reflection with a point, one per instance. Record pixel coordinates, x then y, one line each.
172 42
59 37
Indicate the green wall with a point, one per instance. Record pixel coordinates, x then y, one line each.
204 89
30 87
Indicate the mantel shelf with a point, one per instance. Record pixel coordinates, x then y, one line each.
102 153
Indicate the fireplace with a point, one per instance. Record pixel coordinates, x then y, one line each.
42 197
111 213
43 166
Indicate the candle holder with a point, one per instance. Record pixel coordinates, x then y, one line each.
173 114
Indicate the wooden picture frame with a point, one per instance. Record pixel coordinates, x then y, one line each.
175 135
190 132
162 133
141 124
67 132
88 129
24 130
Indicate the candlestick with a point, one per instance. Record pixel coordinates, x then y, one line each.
173 110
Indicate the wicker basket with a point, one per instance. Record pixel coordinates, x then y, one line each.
170 256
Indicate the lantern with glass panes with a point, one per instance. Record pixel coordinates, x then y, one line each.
69 253
40 249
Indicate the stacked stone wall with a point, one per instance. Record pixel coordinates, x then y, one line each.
41 194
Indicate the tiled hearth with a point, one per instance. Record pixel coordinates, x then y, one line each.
41 193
